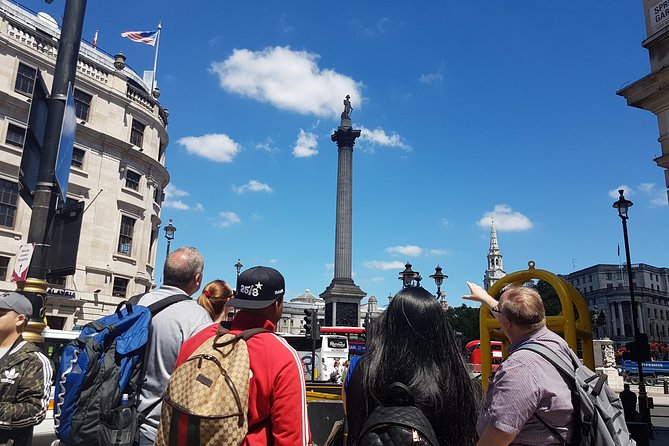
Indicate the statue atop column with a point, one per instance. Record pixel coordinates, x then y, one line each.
346 114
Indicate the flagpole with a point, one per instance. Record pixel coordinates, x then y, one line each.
155 60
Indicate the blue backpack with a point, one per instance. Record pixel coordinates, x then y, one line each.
100 377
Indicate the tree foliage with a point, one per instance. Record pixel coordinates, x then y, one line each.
550 298
465 321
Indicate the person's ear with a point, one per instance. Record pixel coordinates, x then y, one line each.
20 320
198 280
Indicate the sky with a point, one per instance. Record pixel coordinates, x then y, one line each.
467 110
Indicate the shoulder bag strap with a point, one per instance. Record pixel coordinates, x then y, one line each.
159 306
562 367
245 335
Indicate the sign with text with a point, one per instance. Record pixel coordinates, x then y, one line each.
22 264
658 14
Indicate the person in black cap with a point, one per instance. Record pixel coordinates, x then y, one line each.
25 374
277 411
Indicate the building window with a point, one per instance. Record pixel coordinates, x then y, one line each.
137 133
157 195
58 281
8 194
132 179
590 287
608 276
78 158
4 264
590 278
125 235
16 136
120 287
82 104
609 286
25 79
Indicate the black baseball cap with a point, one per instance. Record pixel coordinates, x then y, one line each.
257 288
16 302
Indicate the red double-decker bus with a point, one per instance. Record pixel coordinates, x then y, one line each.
473 355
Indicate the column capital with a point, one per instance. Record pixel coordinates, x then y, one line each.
345 137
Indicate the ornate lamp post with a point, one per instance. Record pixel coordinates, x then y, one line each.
238 267
438 279
170 229
623 205
407 276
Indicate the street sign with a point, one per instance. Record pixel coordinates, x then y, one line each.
32 148
66 145
22 264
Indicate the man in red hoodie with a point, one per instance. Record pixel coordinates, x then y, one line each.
277 412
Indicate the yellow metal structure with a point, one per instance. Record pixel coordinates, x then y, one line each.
33 331
573 323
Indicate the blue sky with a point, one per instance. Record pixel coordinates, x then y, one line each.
467 109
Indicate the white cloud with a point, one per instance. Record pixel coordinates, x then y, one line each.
171 200
216 147
377 279
227 219
287 79
379 137
306 144
329 266
657 195
273 261
628 191
382 264
267 146
431 78
407 250
438 252
252 186
506 219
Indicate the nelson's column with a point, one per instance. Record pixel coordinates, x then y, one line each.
342 297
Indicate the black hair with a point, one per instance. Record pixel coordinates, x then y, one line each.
412 342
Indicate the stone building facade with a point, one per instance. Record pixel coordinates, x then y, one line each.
118 168
606 287
650 92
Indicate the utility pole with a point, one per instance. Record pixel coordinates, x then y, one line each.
44 204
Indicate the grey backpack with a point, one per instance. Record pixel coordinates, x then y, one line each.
600 413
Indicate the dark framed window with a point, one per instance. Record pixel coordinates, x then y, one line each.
157 195
137 133
4 264
132 179
58 281
8 194
125 235
78 158
82 104
25 79
120 287
16 135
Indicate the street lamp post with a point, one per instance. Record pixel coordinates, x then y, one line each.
623 205
238 267
438 279
407 275
170 229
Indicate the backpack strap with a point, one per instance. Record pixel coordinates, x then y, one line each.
562 367
245 335
159 306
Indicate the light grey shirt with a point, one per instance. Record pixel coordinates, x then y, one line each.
171 327
526 384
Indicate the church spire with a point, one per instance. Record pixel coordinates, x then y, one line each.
495 269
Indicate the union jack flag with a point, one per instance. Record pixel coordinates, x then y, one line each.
148 37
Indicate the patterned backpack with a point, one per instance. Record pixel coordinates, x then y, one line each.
206 399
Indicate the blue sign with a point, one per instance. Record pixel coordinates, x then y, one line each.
66 145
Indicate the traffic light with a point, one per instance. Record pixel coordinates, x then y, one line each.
308 321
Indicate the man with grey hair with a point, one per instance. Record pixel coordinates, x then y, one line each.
528 400
182 275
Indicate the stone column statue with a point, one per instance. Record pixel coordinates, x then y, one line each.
346 114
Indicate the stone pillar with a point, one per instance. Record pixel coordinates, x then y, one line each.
342 297
612 312
639 314
622 319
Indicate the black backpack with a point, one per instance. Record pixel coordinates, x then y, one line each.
397 422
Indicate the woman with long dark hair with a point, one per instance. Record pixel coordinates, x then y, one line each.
413 343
